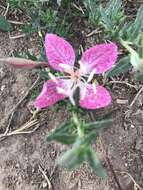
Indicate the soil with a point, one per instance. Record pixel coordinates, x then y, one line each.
22 156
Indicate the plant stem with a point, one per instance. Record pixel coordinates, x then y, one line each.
79 126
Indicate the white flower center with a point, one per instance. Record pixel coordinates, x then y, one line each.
74 79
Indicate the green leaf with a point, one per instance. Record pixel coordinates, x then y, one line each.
140 43
59 2
112 17
93 11
99 124
138 24
43 74
62 138
122 66
91 137
105 19
63 134
139 77
74 157
134 56
5 25
95 164
113 8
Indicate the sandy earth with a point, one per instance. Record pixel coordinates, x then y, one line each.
21 155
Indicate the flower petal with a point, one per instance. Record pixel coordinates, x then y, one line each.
59 51
94 100
100 57
49 94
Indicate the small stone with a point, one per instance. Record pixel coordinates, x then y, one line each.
44 184
2 88
126 164
132 126
139 144
17 165
121 101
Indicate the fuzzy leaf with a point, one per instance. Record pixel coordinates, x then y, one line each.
138 24
135 60
113 7
93 11
99 124
121 67
140 43
74 157
43 74
63 133
95 164
62 138
5 25
105 19
140 77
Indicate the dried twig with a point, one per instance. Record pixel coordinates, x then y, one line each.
25 96
9 123
53 171
17 37
93 32
135 98
136 186
122 82
46 178
16 22
7 8
79 8
12 111
21 130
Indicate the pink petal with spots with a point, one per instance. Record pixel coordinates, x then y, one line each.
94 100
99 57
59 51
49 94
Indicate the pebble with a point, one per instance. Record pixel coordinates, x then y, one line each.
44 184
139 144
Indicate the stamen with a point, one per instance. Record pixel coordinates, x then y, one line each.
84 93
72 100
65 66
94 87
82 67
63 77
82 79
91 75
73 88
61 90
53 77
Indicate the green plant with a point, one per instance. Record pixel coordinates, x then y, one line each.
131 31
134 59
42 16
93 12
80 136
5 25
112 20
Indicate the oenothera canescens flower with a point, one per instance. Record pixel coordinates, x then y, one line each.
61 57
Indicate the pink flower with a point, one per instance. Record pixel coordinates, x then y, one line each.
61 57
